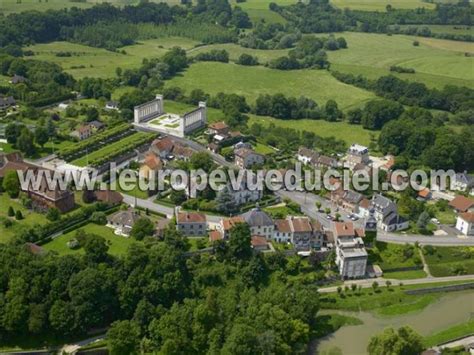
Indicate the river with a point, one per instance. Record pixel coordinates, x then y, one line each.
449 310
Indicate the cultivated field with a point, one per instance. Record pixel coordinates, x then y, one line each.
251 81
436 62
380 5
97 62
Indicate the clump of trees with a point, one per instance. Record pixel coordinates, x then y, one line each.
215 55
247 59
402 341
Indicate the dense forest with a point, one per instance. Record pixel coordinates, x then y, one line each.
232 301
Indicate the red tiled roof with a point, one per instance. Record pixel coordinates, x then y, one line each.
258 241
461 203
282 225
215 235
228 223
218 125
108 196
342 229
153 161
163 144
467 216
424 193
301 224
191 217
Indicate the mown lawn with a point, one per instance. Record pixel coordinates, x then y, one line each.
437 62
405 275
319 85
118 245
449 261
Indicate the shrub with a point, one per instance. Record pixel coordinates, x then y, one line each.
18 215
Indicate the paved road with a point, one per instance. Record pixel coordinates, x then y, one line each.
307 201
367 283
152 206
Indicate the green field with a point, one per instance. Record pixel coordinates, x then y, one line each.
454 30
258 10
380 5
448 261
118 245
455 332
436 62
11 6
98 62
341 130
251 81
263 55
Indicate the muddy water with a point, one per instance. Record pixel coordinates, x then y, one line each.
454 308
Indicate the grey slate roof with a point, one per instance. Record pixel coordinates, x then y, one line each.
256 218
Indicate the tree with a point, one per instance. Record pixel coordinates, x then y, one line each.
53 214
201 160
11 211
375 285
142 228
388 283
247 59
41 135
96 248
353 287
404 341
25 142
92 114
354 116
18 215
332 111
177 197
225 201
318 205
11 184
123 338
423 220
239 243
98 217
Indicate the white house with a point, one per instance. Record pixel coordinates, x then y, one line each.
122 222
259 222
385 212
357 154
465 223
463 182
245 158
351 256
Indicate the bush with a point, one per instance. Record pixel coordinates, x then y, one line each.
247 59
11 211
18 215
98 218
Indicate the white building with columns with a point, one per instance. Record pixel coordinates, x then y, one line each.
152 116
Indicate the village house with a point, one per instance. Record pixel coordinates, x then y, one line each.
168 149
424 194
462 204
6 102
349 200
111 105
357 154
325 162
299 231
246 158
191 224
109 197
259 222
122 222
385 212
351 256
242 194
259 243
96 125
463 182
42 198
150 166
465 223
17 79
306 155
226 224
218 128
82 132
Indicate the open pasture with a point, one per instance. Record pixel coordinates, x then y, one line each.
436 62
381 5
319 85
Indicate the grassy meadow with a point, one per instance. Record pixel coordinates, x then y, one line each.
451 29
381 5
251 81
437 62
258 10
98 62
118 245
234 50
